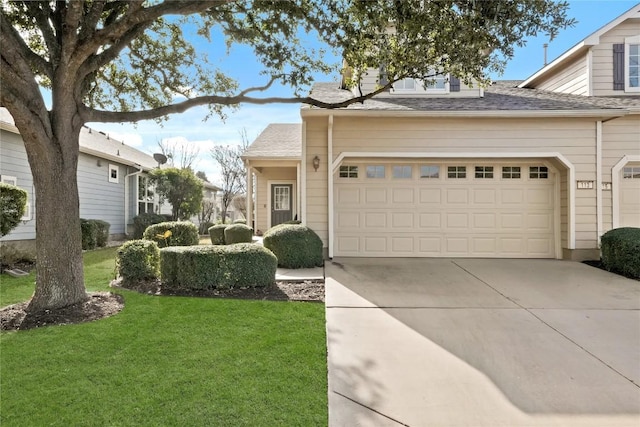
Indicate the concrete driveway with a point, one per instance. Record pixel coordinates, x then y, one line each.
470 342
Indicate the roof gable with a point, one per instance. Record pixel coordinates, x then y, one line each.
591 40
278 140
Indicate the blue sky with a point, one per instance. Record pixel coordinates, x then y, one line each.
190 128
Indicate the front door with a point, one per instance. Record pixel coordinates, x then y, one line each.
281 203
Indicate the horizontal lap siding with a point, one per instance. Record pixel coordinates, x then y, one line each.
571 79
574 138
99 198
13 162
602 75
620 137
316 192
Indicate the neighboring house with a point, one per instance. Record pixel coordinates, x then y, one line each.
517 170
112 182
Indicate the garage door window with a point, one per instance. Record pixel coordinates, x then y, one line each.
631 172
456 172
375 171
538 172
430 171
348 172
484 172
511 172
402 172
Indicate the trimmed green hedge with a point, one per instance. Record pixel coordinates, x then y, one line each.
217 234
183 233
238 233
621 251
13 201
143 221
240 221
210 267
138 260
95 233
295 246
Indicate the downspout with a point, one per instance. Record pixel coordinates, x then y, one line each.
126 197
599 219
302 215
330 183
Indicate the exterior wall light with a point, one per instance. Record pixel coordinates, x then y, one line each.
316 163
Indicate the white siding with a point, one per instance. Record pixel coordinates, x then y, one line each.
13 162
603 58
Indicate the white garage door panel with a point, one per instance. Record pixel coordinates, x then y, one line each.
630 197
445 217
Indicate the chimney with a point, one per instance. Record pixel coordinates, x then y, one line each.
545 46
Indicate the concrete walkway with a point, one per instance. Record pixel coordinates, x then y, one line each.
434 342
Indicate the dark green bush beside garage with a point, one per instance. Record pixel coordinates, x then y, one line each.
295 246
621 251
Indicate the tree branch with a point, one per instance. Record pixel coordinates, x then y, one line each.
11 40
93 115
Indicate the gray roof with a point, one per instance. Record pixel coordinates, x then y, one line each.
278 140
501 96
100 145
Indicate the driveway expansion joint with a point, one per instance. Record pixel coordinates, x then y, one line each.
370 409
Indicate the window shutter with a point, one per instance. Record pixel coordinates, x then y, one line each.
383 76
454 84
618 66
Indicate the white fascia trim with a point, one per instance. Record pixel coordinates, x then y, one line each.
615 186
553 64
599 113
571 220
330 183
599 210
9 127
590 72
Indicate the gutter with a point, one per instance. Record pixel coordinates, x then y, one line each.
595 113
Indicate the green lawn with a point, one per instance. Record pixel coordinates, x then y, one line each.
166 361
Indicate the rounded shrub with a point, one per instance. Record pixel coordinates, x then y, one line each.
88 228
620 250
13 201
142 221
173 233
295 246
217 234
238 233
240 221
211 267
138 260
203 228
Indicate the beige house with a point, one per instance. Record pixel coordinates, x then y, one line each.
533 169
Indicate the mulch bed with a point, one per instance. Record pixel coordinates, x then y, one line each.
105 304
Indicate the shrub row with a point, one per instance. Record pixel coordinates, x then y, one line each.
228 234
210 267
95 233
621 251
181 233
142 221
295 246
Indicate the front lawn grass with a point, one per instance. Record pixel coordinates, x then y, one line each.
166 361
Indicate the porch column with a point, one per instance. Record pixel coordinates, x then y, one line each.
250 218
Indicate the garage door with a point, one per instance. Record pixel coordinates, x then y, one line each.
630 196
450 209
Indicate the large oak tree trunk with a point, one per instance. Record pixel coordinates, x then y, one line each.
59 275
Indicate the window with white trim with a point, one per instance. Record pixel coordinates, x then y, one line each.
348 171
484 172
632 64
538 172
375 171
6 179
438 83
402 172
114 174
511 172
456 172
146 195
430 171
631 172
